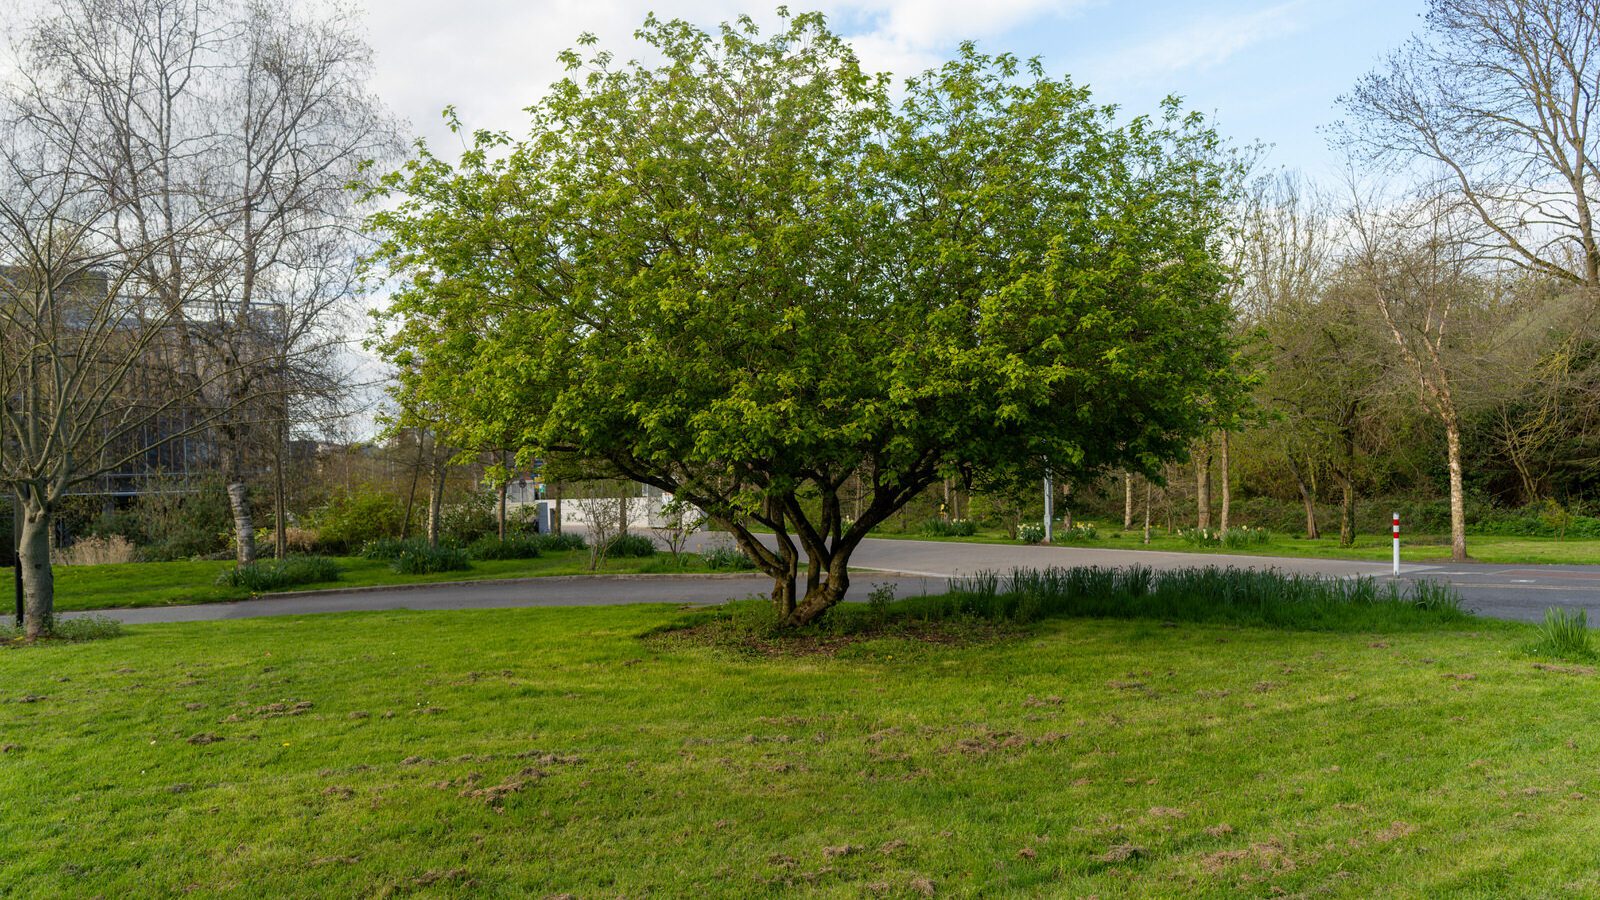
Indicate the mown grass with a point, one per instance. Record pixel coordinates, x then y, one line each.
539 752
169 583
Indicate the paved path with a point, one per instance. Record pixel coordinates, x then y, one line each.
1510 592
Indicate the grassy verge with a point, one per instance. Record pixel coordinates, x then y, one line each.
539 752
165 584
1414 548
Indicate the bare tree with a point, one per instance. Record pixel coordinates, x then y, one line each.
1416 263
1497 101
251 117
88 362
600 514
679 521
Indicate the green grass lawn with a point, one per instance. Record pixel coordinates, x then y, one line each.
1413 548
540 752
164 584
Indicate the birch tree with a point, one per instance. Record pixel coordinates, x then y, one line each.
251 117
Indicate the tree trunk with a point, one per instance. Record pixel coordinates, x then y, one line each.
435 501
38 579
1227 483
820 597
1202 493
555 520
280 513
1147 511
1305 498
1347 511
1127 501
1458 510
500 511
244 526
411 495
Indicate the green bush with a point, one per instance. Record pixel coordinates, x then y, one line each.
558 543
514 547
726 556
470 519
425 560
174 521
276 574
389 548
950 527
1030 532
353 518
630 545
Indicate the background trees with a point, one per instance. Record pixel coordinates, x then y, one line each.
229 132
746 278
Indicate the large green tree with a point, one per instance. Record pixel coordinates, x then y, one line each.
745 274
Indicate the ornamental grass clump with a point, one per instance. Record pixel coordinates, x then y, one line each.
726 557
425 560
513 547
1239 596
630 545
1564 633
937 527
277 574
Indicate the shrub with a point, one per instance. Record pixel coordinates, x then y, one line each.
425 560
352 518
630 545
559 543
950 527
276 574
472 518
1565 633
96 550
1030 532
514 547
389 548
726 556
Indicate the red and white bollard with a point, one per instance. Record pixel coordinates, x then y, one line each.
1397 545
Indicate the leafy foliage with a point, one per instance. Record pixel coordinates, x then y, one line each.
353 518
276 574
753 300
630 545
425 560
940 527
726 556
513 547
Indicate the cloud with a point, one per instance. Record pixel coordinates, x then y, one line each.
1205 42
493 58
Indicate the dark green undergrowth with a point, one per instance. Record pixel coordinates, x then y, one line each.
513 547
425 560
277 574
1232 596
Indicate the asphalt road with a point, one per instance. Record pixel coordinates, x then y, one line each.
917 567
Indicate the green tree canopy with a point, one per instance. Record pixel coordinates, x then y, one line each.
744 274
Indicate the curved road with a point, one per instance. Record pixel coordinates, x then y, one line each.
914 567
